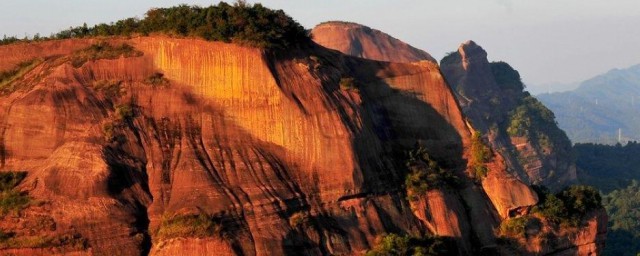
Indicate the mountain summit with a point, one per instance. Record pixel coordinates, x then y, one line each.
362 41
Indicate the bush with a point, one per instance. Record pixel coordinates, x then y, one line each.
10 199
157 79
425 174
480 155
199 225
515 227
393 244
298 218
125 112
569 206
347 83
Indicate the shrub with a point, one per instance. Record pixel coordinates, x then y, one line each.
569 206
199 225
157 79
11 200
9 180
393 244
74 241
480 155
125 111
347 83
426 174
514 227
298 218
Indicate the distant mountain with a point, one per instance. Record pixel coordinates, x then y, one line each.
362 41
601 109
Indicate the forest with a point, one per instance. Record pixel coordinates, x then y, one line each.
615 171
246 24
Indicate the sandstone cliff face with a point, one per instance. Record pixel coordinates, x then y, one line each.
267 145
362 41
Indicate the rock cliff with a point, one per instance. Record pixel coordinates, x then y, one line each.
491 96
265 150
171 146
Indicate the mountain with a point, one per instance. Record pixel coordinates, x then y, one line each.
601 109
521 132
194 139
362 41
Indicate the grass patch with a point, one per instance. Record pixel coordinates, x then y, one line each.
200 226
515 227
103 50
9 76
10 241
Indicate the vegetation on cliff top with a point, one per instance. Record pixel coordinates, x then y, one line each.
243 23
569 206
103 50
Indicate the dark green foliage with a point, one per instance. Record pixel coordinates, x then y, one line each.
514 227
9 180
8 40
103 50
529 116
506 77
252 25
397 245
608 167
426 174
480 155
200 226
569 206
623 232
10 199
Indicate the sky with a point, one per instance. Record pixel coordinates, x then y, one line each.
552 43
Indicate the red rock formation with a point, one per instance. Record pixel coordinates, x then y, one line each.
265 145
361 41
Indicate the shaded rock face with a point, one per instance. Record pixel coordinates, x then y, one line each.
478 85
490 94
266 146
361 41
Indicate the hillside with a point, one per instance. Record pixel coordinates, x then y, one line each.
179 144
600 107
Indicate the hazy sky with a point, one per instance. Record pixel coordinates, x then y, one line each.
548 41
